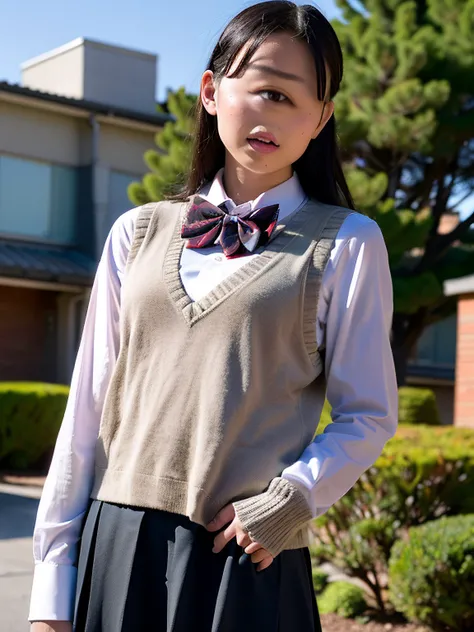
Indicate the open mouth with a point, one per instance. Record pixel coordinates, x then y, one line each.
262 144
266 139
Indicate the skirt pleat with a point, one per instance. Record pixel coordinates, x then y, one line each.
150 570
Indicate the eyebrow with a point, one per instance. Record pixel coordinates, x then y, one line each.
277 73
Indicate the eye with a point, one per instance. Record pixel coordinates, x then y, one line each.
273 95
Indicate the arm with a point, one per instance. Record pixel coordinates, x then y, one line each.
354 321
67 488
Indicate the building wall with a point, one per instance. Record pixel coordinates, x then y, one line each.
27 334
98 72
119 77
44 144
30 132
445 400
464 390
122 149
59 74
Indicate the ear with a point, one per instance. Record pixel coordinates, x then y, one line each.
326 113
208 93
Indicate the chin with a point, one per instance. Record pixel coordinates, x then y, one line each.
260 165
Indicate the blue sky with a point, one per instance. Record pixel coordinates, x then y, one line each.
181 32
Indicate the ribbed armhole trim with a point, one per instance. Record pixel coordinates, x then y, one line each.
141 226
322 251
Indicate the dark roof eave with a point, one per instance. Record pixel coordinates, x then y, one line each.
462 285
41 276
158 119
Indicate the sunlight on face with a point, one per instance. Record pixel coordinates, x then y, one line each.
276 98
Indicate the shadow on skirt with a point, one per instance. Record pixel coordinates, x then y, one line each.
149 570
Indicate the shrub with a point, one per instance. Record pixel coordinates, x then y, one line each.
422 474
418 406
432 574
344 599
320 580
30 417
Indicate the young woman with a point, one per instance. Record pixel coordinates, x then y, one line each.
187 469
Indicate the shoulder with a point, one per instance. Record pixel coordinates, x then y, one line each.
354 234
123 229
359 244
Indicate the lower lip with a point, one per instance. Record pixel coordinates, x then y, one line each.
262 148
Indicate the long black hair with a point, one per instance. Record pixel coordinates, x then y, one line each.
319 168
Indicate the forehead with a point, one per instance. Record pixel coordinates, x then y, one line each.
285 53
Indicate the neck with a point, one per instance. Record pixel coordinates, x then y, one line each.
242 185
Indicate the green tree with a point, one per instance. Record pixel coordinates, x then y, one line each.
406 122
168 165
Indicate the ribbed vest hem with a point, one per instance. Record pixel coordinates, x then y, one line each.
140 490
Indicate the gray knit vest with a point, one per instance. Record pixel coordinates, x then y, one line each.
210 400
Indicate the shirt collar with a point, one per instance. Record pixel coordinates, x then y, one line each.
289 195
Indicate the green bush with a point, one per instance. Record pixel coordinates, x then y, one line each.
30 417
422 474
320 580
344 599
432 574
418 406
325 418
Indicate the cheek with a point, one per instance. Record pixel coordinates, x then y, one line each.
231 105
233 117
303 126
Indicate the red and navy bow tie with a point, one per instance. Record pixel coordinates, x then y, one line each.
239 230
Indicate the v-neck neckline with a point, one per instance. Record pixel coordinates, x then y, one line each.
193 311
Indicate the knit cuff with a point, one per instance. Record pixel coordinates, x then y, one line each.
272 517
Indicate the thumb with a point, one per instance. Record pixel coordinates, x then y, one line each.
225 516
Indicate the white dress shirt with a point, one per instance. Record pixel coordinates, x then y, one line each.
353 322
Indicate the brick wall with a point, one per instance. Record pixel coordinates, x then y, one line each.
464 395
27 334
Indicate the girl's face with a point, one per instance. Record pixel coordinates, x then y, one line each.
276 99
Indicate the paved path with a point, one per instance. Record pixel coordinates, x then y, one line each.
18 506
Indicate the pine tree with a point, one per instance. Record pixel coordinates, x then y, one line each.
405 115
168 165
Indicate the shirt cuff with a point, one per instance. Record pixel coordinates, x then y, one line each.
272 517
53 592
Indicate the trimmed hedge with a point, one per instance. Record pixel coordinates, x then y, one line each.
320 580
30 418
422 474
415 406
418 406
432 574
344 599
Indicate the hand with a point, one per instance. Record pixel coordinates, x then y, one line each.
51 626
258 554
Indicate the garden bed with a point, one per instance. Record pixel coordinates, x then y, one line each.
335 623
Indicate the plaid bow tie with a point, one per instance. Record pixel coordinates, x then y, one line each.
238 231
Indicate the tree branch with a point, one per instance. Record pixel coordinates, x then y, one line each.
446 240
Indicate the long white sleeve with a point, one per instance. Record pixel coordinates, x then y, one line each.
351 304
67 488
354 321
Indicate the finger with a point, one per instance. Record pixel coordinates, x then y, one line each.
225 536
255 546
243 539
223 517
265 564
259 556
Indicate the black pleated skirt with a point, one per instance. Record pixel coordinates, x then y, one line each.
149 570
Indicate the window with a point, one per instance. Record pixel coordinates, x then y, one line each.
435 352
37 199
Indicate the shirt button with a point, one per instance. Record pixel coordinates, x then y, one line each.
219 258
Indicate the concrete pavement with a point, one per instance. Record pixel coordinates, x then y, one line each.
18 506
